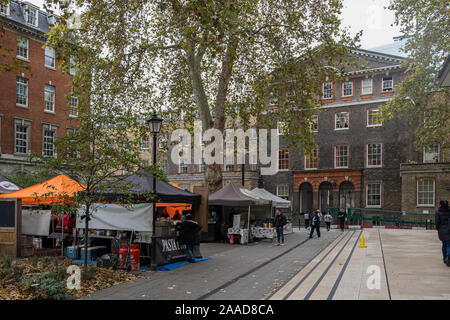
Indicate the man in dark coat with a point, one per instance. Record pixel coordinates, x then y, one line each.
443 227
279 222
189 235
315 224
342 216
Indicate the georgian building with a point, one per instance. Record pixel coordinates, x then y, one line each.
34 109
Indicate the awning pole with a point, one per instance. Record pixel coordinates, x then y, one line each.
248 225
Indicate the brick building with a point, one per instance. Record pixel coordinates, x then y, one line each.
34 109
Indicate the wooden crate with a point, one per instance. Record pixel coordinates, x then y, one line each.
8 242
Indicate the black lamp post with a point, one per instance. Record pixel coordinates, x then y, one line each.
154 124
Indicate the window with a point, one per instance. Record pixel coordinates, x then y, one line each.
341 120
31 15
49 98
4 9
73 106
182 168
21 142
366 86
48 144
22 92
431 154
282 128
72 66
347 89
229 163
374 155
373 118
327 90
283 159
315 123
341 155
273 99
145 145
49 57
254 162
373 195
283 191
388 84
201 165
22 47
290 96
312 160
425 192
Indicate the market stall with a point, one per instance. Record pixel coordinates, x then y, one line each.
266 230
236 197
7 186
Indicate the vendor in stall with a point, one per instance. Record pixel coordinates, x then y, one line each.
177 215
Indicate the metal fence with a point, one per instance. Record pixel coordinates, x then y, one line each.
380 217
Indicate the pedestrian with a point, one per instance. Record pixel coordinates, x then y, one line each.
315 224
328 218
280 221
189 235
342 216
442 220
306 216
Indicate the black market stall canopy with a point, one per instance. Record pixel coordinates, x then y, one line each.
277 202
234 194
142 185
7 186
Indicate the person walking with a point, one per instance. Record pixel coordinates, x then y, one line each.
342 216
306 216
442 219
189 235
280 221
328 218
315 224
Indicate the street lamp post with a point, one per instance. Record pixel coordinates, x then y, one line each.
154 124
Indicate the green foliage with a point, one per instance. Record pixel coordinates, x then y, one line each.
25 179
46 287
9 271
419 99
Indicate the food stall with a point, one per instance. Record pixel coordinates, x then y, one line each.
234 197
266 230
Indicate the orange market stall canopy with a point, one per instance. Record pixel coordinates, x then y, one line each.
55 190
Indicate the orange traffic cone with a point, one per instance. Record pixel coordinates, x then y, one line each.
362 244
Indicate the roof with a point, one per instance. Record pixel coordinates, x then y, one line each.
234 194
277 202
444 74
393 48
57 189
7 186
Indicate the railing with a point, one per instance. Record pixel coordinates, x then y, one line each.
380 217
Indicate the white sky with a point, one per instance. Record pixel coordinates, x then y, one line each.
367 15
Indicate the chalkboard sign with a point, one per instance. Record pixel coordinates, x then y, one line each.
7 214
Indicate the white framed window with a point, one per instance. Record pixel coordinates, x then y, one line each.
373 118
347 89
22 47
341 156
282 128
425 192
373 195
431 153
49 98
387 84
73 64
283 191
4 9
73 106
283 159
182 167
145 144
366 86
229 163
31 15
315 123
22 92
374 154
254 162
312 160
327 90
22 137
341 121
49 57
201 165
48 141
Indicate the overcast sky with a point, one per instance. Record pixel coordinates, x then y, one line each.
367 15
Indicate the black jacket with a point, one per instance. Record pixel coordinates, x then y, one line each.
189 232
280 221
443 223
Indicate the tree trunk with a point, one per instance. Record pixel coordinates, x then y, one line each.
86 236
213 177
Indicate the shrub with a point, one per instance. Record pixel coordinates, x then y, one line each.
9 271
45 287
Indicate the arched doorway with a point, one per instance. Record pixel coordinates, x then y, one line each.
325 196
306 197
346 195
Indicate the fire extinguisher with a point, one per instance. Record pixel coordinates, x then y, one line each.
123 256
135 254
232 239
